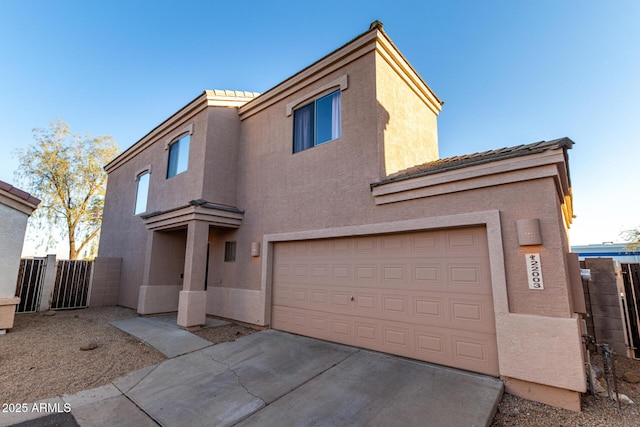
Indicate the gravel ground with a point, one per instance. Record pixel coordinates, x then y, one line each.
596 410
41 358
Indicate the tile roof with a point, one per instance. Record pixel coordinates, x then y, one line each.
19 193
459 162
233 93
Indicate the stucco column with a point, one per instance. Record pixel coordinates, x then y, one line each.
192 305
49 282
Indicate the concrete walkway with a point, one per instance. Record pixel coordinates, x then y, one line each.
164 334
275 378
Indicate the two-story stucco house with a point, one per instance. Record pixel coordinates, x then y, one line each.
321 207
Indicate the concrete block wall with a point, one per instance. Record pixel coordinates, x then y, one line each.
604 301
106 280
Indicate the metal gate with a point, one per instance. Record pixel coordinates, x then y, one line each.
29 285
73 284
631 279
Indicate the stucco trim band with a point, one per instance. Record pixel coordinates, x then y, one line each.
160 132
549 164
17 203
341 82
386 49
206 99
333 62
179 132
372 40
181 217
555 342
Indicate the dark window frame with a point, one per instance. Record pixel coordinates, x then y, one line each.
230 249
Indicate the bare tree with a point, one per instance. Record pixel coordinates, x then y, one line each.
633 237
66 172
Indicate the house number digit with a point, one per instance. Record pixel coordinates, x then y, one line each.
534 271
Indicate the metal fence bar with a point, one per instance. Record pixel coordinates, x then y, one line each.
73 283
73 268
29 264
34 283
21 276
86 280
80 282
29 290
66 266
29 284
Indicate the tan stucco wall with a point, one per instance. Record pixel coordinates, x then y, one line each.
12 229
221 159
124 234
210 175
283 191
552 301
408 132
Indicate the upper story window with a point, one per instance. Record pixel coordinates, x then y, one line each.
142 192
178 156
317 122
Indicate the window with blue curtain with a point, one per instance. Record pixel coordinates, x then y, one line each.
317 122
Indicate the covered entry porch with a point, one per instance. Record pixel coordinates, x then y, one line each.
176 259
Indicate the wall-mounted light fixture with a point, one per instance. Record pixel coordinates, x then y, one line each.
529 232
255 248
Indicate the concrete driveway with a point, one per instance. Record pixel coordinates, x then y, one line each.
274 378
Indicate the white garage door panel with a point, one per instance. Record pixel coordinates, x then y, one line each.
423 295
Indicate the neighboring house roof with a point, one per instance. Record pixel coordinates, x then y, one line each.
617 251
20 194
459 162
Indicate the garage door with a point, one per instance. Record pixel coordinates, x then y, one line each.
424 295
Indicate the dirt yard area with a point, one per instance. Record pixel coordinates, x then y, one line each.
596 410
41 357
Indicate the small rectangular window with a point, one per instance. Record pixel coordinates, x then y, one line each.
229 251
178 156
317 122
142 193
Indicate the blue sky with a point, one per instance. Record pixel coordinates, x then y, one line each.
510 72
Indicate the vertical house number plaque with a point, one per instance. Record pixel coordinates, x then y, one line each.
534 271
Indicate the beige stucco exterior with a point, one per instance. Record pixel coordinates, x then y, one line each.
244 185
15 208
